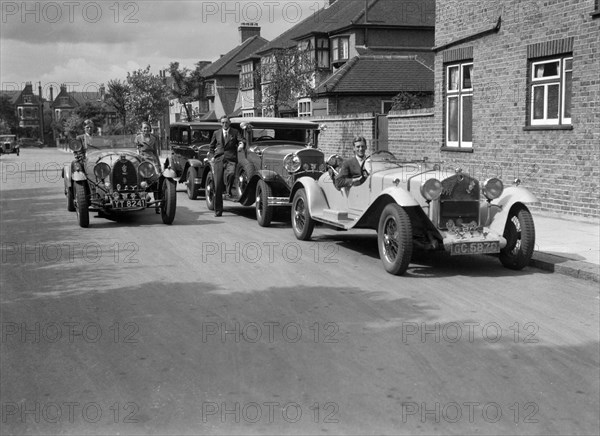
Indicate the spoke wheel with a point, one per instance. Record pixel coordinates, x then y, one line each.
210 191
264 212
192 186
394 239
302 223
82 206
169 201
520 239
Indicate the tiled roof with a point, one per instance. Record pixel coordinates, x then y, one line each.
226 64
379 74
344 13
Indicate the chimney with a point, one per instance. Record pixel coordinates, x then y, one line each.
248 30
102 91
51 93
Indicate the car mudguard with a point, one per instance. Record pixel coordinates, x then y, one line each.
168 173
314 194
191 163
400 196
498 212
78 176
268 175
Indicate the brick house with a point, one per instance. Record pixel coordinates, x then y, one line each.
346 44
517 95
29 109
222 80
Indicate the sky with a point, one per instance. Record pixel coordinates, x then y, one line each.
87 43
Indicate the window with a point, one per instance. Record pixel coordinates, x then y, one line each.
340 48
209 89
304 108
247 76
248 113
306 55
323 53
27 99
550 95
267 68
459 105
64 101
386 106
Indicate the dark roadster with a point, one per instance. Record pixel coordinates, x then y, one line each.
113 181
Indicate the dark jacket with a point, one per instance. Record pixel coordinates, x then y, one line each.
226 147
350 169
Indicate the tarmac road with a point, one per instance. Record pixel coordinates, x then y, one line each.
218 326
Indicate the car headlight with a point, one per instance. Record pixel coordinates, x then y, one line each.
146 170
102 170
291 163
431 189
492 188
75 145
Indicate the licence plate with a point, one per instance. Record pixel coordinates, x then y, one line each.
127 204
462 248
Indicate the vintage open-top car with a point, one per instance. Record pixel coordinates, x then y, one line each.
277 152
112 181
189 147
9 144
420 204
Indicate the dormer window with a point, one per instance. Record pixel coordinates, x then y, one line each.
27 99
64 101
340 49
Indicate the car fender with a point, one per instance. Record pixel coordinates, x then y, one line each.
268 175
168 173
370 217
314 194
191 163
66 175
400 196
78 176
500 208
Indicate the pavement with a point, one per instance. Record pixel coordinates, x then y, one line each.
567 246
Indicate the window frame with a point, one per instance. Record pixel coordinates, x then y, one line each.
459 93
337 47
545 83
305 107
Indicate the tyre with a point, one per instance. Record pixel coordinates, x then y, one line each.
210 191
169 201
82 206
246 171
394 239
192 186
302 223
264 212
70 200
520 239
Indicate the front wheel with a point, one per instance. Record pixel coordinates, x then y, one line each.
264 212
520 239
169 201
70 200
210 191
192 186
82 206
302 223
394 239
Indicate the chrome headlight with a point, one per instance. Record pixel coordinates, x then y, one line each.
101 170
146 170
75 145
291 163
492 188
431 189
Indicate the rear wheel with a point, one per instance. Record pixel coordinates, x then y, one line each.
82 206
302 223
210 191
192 186
520 239
264 212
394 239
70 200
169 201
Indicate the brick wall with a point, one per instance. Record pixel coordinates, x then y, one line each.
337 139
561 167
411 134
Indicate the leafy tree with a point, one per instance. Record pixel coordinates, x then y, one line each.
286 74
147 98
187 85
73 126
116 97
8 117
93 111
412 100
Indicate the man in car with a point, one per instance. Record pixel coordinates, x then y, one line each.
225 144
350 172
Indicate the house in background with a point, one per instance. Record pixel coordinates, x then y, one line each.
354 48
222 78
29 109
519 97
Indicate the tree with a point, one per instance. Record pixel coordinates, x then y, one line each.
117 98
147 97
286 74
8 117
412 100
187 85
93 111
73 126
